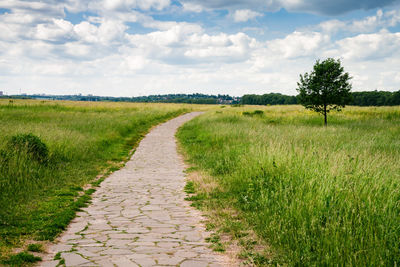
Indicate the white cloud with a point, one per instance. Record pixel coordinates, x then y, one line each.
370 46
327 7
332 26
56 30
365 25
76 49
243 15
111 30
299 44
188 44
86 32
394 17
190 7
129 4
45 9
229 47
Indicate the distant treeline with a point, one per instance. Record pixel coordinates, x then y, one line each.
269 99
366 98
169 98
189 98
376 98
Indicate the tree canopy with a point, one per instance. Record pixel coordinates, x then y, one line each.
326 88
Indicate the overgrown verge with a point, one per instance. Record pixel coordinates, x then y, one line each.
49 153
231 232
316 196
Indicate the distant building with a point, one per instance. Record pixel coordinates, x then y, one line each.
1 93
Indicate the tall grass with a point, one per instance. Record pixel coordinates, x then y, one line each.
318 195
38 198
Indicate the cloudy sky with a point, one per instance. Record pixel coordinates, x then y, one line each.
141 47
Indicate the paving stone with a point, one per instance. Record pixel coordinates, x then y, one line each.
169 260
168 244
115 251
60 248
122 236
137 230
194 263
138 216
50 263
104 262
123 262
118 243
143 260
72 259
186 254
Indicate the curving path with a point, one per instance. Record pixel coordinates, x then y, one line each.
138 217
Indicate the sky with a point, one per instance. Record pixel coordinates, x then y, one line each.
236 47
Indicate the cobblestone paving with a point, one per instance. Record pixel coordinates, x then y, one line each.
138 217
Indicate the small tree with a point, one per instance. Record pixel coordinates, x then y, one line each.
326 88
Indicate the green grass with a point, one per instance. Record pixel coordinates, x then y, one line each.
35 247
21 259
39 196
317 195
216 244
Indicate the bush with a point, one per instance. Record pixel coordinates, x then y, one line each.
255 112
31 145
35 247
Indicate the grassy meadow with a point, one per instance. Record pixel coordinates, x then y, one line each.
317 196
39 196
311 195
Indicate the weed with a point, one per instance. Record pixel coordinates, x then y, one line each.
189 187
57 256
256 259
30 144
35 247
216 242
210 226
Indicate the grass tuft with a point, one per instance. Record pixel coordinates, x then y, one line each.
35 247
189 187
21 259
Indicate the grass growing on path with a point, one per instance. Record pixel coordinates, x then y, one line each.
318 195
38 197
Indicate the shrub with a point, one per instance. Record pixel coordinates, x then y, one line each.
35 247
255 112
30 145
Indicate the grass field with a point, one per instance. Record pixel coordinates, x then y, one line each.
38 197
317 196
312 195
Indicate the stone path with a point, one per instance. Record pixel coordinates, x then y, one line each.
138 217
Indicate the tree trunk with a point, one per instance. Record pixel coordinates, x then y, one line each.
325 116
